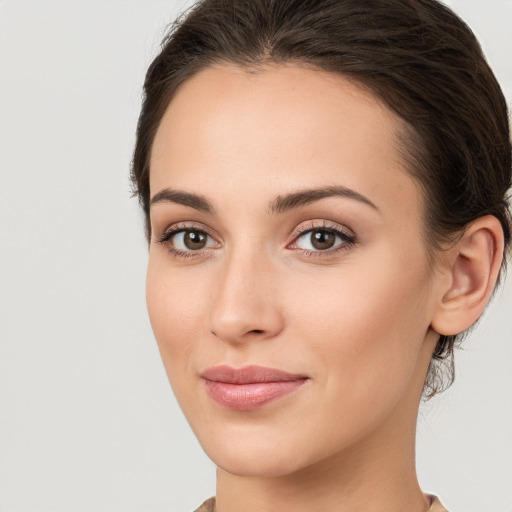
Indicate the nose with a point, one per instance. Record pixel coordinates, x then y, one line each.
246 305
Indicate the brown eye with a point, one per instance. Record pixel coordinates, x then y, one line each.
189 240
194 240
322 240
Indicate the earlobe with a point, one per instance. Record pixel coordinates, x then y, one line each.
473 266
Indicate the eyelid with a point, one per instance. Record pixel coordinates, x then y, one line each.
314 224
347 235
174 229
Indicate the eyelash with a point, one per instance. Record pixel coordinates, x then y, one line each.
168 234
347 240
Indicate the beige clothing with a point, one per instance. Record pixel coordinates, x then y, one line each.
435 505
207 506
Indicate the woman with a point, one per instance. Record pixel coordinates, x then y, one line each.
324 184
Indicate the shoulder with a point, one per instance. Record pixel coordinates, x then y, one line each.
207 506
435 505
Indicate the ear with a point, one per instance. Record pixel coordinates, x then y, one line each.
471 268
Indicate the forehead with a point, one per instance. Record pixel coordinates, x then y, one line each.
278 127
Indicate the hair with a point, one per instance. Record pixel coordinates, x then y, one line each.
416 56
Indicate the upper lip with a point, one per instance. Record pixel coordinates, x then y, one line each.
248 375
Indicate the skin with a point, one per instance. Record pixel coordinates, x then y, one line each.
361 321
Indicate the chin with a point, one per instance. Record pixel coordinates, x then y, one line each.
260 466
249 456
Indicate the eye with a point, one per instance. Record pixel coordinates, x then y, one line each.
185 242
322 239
191 240
319 240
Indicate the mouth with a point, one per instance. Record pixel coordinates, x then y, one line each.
249 388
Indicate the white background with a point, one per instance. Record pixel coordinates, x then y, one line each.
87 418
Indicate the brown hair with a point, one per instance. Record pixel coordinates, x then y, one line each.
415 55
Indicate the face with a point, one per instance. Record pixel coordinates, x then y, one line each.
288 285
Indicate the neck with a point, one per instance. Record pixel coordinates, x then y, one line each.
361 481
376 475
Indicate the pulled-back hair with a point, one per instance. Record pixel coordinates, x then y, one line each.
417 56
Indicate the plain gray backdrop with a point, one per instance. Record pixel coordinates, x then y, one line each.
87 419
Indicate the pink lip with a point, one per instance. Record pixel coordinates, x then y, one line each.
250 387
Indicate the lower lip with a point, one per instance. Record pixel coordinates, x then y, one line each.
247 397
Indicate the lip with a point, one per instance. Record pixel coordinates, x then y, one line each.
250 387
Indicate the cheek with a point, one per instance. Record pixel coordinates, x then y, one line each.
174 302
365 324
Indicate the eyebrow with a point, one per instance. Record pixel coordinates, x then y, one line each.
184 198
279 205
303 197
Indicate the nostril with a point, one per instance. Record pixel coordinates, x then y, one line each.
256 331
